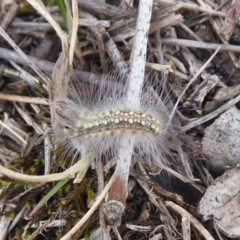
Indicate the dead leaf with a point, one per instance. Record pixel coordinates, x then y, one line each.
221 202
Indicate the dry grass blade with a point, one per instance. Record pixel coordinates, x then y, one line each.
69 173
24 99
193 220
202 45
212 115
192 80
13 132
39 6
74 31
22 54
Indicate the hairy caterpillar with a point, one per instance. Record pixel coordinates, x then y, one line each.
96 118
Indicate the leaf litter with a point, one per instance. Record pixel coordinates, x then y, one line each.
182 37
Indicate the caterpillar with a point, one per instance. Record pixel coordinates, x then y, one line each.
97 118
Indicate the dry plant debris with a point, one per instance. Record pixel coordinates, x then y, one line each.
221 201
83 49
221 139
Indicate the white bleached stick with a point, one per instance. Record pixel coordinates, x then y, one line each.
138 56
115 206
